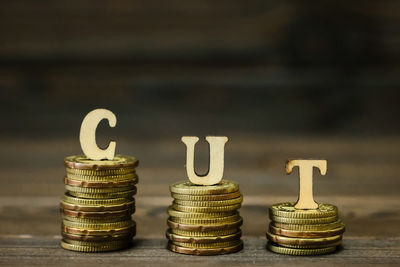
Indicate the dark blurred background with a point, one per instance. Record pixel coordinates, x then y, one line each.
281 79
201 67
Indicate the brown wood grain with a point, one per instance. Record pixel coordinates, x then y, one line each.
362 180
152 29
152 252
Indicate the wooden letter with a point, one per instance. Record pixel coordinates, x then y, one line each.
216 160
88 135
306 200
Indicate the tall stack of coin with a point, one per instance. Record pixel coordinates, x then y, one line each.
204 220
304 232
98 204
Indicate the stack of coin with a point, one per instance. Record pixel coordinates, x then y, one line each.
304 232
204 220
98 204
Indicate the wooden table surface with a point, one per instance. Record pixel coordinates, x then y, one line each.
362 180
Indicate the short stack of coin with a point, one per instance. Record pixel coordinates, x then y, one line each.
98 204
204 220
304 232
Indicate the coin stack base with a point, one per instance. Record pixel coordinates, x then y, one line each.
304 232
204 220
98 204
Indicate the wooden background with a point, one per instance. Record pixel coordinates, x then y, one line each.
281 79
330 67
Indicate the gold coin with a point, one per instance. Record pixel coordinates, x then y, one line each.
205 209
122 194
206 197
284 240
300 252
100 208
208 245
214 203
101 173
94 202
97 243
203 233
109 178
103 248
89 190
100 214
100 226
207 221
308 227
204 228
99 238
204 251
104 232
306 234
100 184
303 221
194 215
289 211
82 162
97 220
210 239
187 188
338 243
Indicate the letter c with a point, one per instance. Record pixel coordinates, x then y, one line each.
87 135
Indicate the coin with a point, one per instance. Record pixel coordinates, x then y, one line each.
99 238
97 243
208 245
100 173
308 227
103 232
100 226
102 214
100 184
94 202
89 190
190 239
118 162
109 178
337 243
205 209
214 203
282 240
98 208
205 251
306 234
102 248
123 194
204 228
185 187
97 220
180 214
303 221
206 197
300 252
203 233
207 221
289 211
